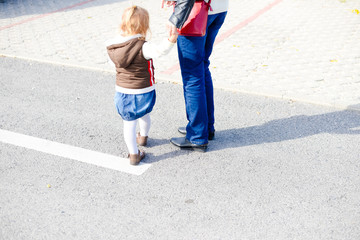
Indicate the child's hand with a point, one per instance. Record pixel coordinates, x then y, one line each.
173 37
172 30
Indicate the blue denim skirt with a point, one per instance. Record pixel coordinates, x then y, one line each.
134 106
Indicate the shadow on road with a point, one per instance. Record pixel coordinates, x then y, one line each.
342 122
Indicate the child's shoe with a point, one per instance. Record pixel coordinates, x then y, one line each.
141 140
136 158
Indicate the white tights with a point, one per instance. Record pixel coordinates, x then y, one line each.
130 132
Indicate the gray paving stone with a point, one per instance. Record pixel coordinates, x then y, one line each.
303 50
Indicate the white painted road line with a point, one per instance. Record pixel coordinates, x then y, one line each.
71 152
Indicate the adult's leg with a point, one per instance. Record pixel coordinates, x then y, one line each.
214 24
191 58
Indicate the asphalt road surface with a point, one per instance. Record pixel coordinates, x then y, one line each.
277 169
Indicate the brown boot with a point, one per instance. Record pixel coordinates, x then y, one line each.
136 158
141 140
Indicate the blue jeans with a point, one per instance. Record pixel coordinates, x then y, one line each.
194 53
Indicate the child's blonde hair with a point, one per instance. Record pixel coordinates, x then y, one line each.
135 20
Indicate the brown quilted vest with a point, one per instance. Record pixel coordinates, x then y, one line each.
132 69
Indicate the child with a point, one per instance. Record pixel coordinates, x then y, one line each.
135 84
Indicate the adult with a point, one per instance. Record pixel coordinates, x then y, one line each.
194 53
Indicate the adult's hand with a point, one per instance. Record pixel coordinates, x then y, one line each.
168 3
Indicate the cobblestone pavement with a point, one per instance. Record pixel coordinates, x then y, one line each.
301 50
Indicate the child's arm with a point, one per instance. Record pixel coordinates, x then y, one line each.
151 50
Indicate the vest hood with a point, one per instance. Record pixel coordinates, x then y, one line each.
124 53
